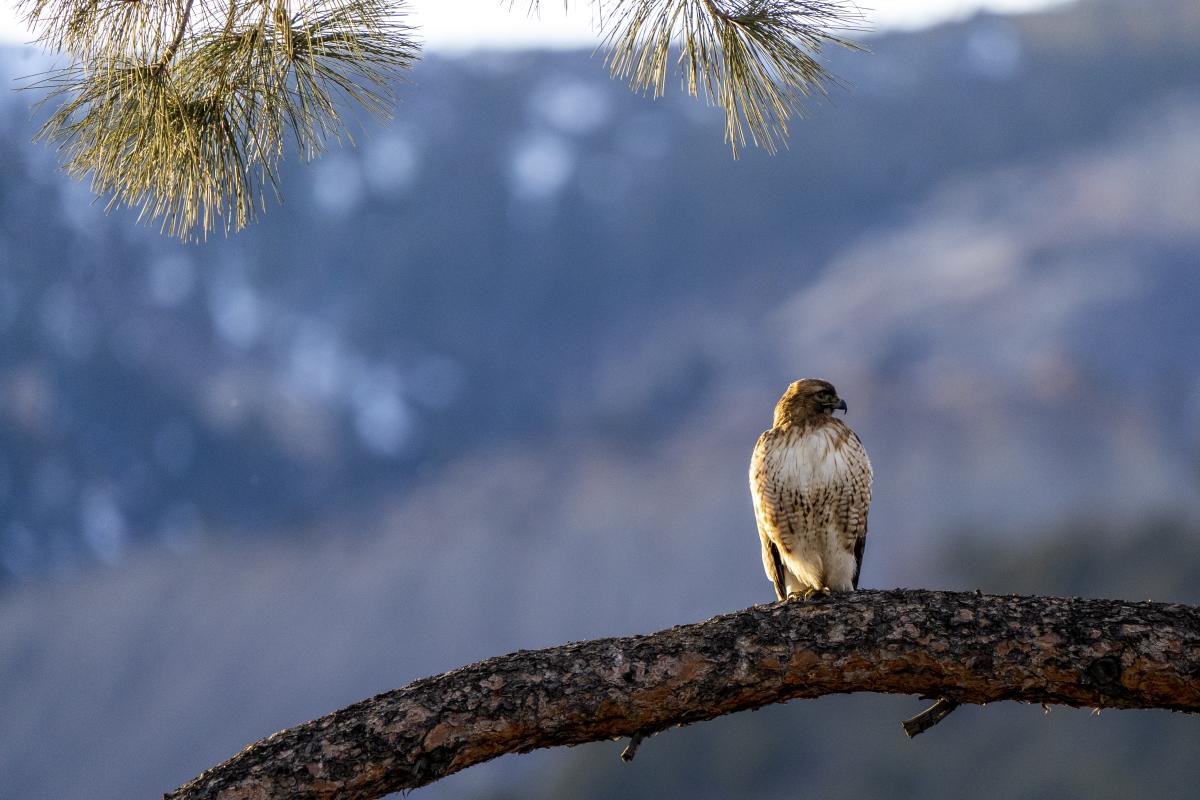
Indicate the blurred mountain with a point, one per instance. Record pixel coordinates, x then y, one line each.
491 379
528 250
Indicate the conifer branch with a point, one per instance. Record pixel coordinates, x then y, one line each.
962 646
755 59
197 146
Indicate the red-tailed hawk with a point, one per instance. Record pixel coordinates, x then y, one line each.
811 482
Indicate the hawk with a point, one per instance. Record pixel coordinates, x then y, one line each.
811 483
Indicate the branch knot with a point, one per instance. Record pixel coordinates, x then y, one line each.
1105 673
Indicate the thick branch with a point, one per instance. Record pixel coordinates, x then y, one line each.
964 647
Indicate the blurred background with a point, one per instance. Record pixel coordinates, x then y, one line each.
490 380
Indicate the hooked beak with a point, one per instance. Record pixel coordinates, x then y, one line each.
841 404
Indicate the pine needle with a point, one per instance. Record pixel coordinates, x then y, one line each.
182 109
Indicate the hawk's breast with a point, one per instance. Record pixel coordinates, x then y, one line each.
814 458
811 486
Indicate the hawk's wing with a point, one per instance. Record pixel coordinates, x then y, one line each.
768 513
856 498
773 564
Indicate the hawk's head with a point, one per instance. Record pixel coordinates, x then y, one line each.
807 399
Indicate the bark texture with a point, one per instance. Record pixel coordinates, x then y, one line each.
964 647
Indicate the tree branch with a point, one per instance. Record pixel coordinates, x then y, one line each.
169 53
963 647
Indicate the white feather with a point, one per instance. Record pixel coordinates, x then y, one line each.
813 461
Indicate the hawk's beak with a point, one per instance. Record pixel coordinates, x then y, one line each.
841 404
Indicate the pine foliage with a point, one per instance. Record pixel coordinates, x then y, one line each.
183 108
755 59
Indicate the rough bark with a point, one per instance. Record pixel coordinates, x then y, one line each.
964 647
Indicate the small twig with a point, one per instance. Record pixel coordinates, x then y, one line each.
631 750
718 12
929 717
169 52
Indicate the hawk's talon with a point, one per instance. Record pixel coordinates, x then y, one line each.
809 593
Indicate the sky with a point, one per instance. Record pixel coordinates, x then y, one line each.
464 24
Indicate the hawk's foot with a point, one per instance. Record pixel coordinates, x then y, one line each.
809 593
